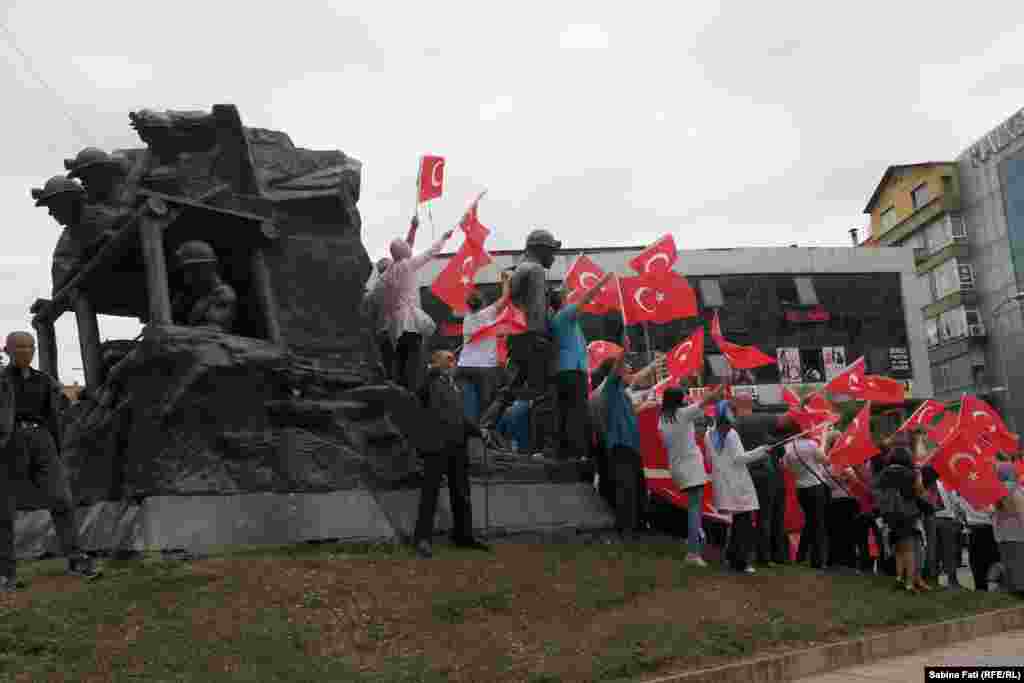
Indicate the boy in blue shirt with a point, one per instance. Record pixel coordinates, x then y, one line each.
570 382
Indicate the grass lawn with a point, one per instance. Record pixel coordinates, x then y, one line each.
528 612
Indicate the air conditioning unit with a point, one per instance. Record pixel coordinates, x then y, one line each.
976 330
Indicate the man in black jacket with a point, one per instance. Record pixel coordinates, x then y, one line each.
30 406
445 453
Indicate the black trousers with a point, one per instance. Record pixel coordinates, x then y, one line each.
982 552
948 550
572 421
627 473
840 521
453 461
387 354
742 538
31 455
605 481
772 544
408 370
862 525
813 501
531 355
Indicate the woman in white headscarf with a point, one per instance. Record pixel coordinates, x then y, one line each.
407 324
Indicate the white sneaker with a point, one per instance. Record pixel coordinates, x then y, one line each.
696 561
749 570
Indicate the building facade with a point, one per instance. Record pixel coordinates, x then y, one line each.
964 221
814 309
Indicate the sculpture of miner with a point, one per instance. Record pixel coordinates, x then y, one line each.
206 301
30 404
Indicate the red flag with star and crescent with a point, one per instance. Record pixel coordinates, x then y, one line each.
979 419
687 358
470 224
431 178
968 467
658 298
510 321
599 351
879 389
454 283
818 403
923 416
739 357
656 259
850 381
855 445
584 274
790 397
941 431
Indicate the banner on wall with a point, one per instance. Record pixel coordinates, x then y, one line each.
835 361
790 371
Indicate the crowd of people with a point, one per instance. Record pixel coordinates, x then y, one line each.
890 515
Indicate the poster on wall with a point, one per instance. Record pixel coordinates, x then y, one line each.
835 360
812 366
789 365
899 362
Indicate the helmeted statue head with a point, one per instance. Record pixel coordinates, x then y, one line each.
62 196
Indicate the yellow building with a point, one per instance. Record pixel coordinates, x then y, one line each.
919 206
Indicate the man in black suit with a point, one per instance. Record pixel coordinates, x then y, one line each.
444 451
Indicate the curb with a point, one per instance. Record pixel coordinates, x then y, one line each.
852 653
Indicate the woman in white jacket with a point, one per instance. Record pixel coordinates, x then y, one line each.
734 489
685 460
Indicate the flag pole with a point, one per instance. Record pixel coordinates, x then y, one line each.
622 309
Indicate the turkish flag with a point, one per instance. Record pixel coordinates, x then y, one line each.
790 397
855 445
687 358
455 281
883 390
923 416
978 418
664 385
809 419
503 351
470 224
510 321
657 258
660 299
941 431
598 351
818 403
584 274
969 468
431 178
744 357
850 381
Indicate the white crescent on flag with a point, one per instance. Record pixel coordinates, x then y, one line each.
684 350
435 180
662 256
583 279
467 262
962 456
991 423
636 299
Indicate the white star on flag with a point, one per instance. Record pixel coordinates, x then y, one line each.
465 280
973 476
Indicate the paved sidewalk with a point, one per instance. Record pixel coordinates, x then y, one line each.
1004 649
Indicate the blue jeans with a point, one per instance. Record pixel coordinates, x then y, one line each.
694 514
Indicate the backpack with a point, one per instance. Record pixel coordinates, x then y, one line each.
892 503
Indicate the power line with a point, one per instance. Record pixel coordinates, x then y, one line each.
79 129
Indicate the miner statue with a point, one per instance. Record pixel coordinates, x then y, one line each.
206 300
101 175
30 405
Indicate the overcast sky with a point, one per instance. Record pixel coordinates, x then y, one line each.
728 124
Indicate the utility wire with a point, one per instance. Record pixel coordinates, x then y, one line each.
79 129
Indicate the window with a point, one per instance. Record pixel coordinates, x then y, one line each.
920 196
973 317
888 218
966 273
946 279
941 377
711 294
805 291
940 234
958 228
952 325
931 328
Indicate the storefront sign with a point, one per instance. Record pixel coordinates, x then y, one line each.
997 139
818 314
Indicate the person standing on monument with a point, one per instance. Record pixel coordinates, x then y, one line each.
372 309
531 351
446 454
572 425
409 325
478 373
30 404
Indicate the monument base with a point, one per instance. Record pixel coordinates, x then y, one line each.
205 523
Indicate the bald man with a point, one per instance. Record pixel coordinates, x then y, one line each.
30 404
